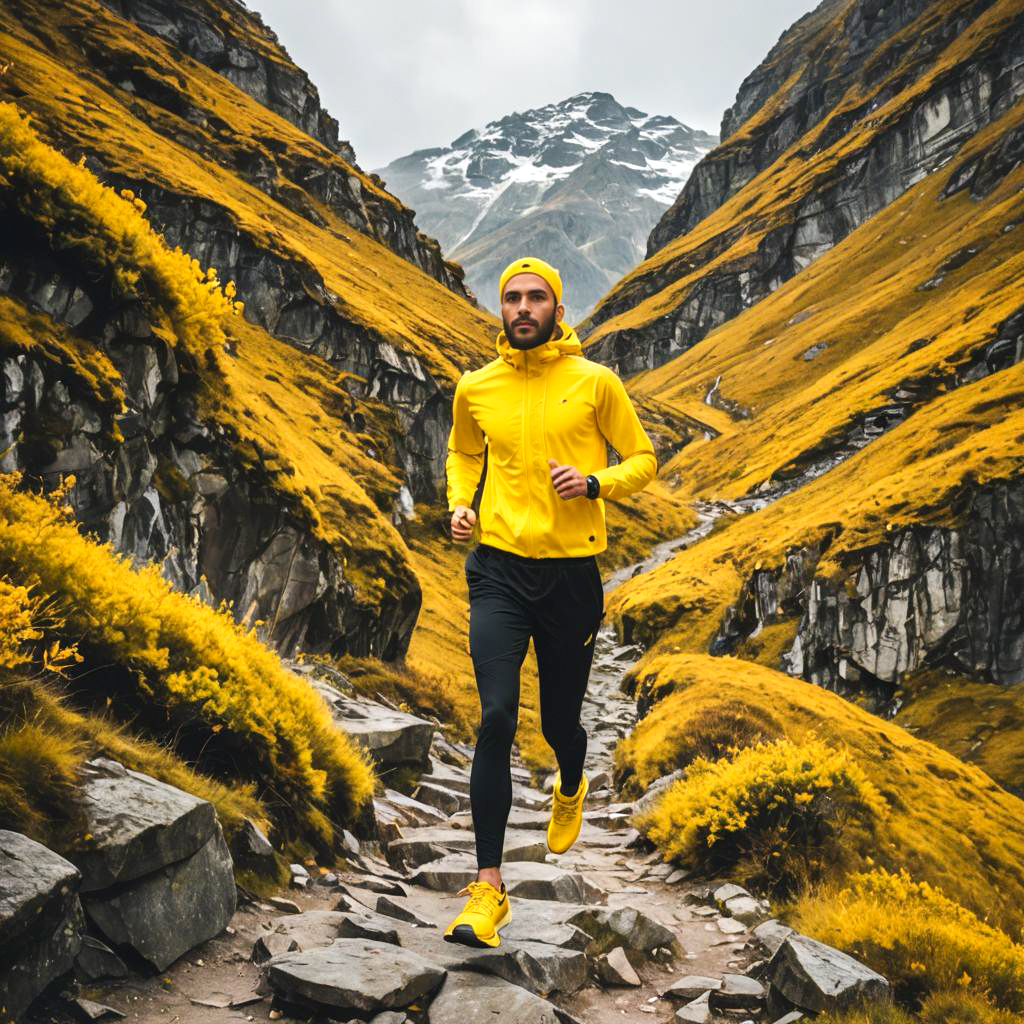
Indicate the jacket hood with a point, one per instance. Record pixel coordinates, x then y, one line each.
566 345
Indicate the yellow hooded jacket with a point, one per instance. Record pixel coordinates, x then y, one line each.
531 405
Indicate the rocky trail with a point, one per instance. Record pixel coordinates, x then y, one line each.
606 932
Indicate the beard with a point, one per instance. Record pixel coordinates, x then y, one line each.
544 331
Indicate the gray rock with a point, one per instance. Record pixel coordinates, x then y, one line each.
614 968
446 775
727 892
355 976
138 824
544 970
696 1012
272 944
690 987
445 800
525 879
730 926
421 845
393 738
744 908
166 913
389 1017
409 811
790 1018
737 992
624 926
469 997
816 977
41 920
546 921
96 1011
315 928
96 961
400 912
771 934
250 848
284 905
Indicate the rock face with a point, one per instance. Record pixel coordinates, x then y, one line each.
924 599
546 181
854 161
247 53
41 921
157 877
174 491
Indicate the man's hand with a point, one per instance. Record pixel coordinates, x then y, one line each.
463 521
568 481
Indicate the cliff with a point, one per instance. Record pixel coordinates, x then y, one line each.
856 103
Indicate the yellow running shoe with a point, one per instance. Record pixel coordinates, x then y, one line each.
486 911
566 816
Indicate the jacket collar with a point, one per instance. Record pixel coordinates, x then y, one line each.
534 359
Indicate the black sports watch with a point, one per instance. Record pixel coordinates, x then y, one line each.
593 486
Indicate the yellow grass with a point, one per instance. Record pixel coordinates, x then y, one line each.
948 823
185 670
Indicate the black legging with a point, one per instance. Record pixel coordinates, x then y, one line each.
560 603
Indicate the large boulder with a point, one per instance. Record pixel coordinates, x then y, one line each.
164 914
354 977
41 921
816 977
137 825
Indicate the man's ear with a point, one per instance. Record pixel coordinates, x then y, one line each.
559 312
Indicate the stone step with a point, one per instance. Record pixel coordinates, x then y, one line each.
523 879
422 845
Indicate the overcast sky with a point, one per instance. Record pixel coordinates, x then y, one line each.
401 75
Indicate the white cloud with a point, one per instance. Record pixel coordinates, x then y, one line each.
402 75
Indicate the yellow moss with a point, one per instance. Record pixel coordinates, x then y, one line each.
980 723
948 823
921 940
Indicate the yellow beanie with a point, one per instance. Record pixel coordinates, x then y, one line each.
531 265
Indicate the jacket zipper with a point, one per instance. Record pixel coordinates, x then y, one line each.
527 452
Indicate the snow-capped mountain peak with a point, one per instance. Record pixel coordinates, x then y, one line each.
511 186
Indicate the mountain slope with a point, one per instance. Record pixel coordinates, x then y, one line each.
863 103
579 183
864 457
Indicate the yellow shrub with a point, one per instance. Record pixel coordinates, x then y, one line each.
16 625
187 671
779 806
921 940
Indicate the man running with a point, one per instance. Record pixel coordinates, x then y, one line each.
544 415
